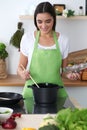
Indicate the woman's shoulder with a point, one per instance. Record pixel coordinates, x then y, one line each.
64 45
28 35
28 39
61 36
63 39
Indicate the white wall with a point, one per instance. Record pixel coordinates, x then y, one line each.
76 30
9 17
78 93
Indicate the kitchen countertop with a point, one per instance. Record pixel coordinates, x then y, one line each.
12 80
75 83
34 120
15 80
43 108
27 121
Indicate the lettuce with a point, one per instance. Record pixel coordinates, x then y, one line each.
72 119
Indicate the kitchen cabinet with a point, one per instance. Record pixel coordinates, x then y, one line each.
12 80
27 17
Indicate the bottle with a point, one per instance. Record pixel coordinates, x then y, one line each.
80 10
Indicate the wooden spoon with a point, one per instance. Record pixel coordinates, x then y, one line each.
30 77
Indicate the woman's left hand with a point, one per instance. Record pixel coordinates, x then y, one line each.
73 75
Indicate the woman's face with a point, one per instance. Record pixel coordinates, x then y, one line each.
44 22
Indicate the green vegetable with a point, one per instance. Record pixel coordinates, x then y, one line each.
3 52
16 38
5 112
66 119
70 13
48 123
72 119
49 127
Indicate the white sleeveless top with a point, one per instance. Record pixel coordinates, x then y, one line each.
27 46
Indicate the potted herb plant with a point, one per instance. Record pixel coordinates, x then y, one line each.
3 56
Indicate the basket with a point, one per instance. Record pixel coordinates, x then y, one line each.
3 72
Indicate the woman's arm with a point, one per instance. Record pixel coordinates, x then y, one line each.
21 70
64 64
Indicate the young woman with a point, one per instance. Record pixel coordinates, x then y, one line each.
43 52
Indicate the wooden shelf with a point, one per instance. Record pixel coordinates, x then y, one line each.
27 17
14 80
75 83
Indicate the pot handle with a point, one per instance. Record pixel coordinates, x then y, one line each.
30 86
59 87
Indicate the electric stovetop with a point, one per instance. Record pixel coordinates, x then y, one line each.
62 103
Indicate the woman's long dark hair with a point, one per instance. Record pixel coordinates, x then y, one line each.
45 7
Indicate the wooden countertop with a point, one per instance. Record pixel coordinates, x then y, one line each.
15 80
77 83
12 80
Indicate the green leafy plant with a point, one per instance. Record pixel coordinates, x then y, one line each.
68 13
72 119
16 38
3 52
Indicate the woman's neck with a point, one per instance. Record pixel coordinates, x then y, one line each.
47 35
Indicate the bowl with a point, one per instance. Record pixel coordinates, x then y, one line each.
5 113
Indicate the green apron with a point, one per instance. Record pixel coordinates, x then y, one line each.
44 68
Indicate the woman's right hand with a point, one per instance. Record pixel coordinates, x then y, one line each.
25 75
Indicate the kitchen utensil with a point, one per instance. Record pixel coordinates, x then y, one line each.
30 77
14 98
34 82
47 93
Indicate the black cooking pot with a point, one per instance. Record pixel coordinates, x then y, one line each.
9 98
47 93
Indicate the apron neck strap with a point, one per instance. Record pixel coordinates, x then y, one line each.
55 39
37 39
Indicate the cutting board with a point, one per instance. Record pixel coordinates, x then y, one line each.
28 121
79 56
